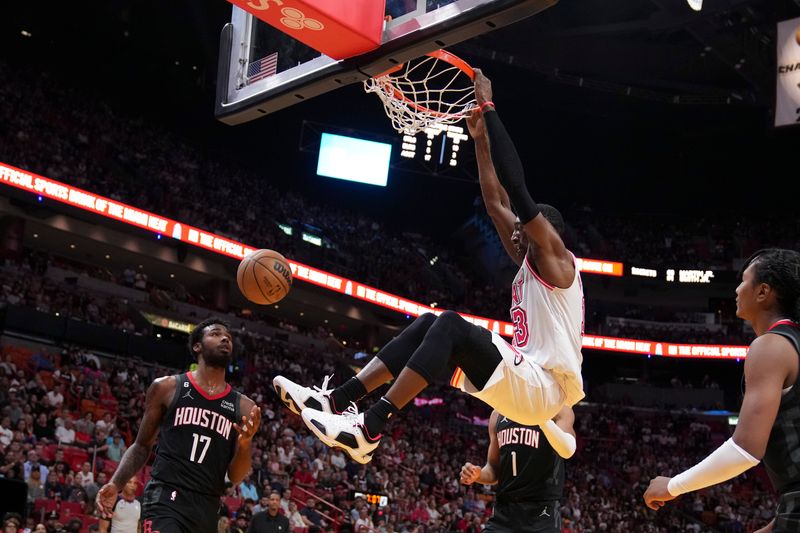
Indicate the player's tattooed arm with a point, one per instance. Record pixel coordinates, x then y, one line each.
155 406
158 397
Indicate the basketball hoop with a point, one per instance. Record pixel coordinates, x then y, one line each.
436 89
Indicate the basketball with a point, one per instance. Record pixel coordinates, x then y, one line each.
264 277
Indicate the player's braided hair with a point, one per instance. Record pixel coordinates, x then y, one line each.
780 269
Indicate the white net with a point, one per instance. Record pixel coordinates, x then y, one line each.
424 92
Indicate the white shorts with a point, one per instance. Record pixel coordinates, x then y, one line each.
518 388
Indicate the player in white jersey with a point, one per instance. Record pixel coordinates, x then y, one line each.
529 381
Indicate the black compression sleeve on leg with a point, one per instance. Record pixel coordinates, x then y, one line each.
509 168
446 334
399 350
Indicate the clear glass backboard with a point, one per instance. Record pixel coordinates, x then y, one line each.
262 70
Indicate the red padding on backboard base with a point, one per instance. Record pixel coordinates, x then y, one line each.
337 28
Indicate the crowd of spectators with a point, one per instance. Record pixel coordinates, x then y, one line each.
62 429
26 283
697 334
25 286
69 414
52 129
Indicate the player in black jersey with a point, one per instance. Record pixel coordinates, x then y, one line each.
527 464
768 297
203 434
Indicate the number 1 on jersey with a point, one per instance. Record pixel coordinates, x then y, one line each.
206 442
514 463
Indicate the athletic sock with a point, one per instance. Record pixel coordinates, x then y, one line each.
351 391
377 416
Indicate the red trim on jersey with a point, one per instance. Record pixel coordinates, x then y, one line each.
783 322
535 275
204 393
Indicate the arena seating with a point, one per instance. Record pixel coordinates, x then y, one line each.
81 149
620 448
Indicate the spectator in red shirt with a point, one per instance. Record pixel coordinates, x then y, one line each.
420 513
304 477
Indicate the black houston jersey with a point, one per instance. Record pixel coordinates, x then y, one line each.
782 458
197 439
530 470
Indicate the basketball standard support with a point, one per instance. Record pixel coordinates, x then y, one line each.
408 39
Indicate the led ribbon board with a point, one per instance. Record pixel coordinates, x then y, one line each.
114 210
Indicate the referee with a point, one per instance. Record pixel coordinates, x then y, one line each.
127 511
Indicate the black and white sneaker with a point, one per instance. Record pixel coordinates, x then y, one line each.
344 431
296 397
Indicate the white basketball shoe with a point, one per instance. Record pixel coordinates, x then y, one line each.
346 431
296 397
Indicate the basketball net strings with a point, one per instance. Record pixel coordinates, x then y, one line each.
413 104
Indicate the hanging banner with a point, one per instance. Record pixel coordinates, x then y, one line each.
787 101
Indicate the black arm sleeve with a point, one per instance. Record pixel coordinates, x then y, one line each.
509 168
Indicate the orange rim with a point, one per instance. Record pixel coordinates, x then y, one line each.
454 60
442 55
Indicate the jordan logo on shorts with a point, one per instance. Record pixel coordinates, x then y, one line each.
544 512
173 495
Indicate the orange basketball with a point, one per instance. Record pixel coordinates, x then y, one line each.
264 277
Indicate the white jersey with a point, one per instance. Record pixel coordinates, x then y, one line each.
126 516
548 326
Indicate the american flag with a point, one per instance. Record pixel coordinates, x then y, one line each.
261 68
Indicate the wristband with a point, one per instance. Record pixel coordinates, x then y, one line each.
487 103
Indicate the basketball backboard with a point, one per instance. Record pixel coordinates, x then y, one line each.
262 70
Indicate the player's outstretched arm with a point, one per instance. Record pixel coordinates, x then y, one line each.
553 260
487 475
560 432
495 197
243 458
156 401
766 368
